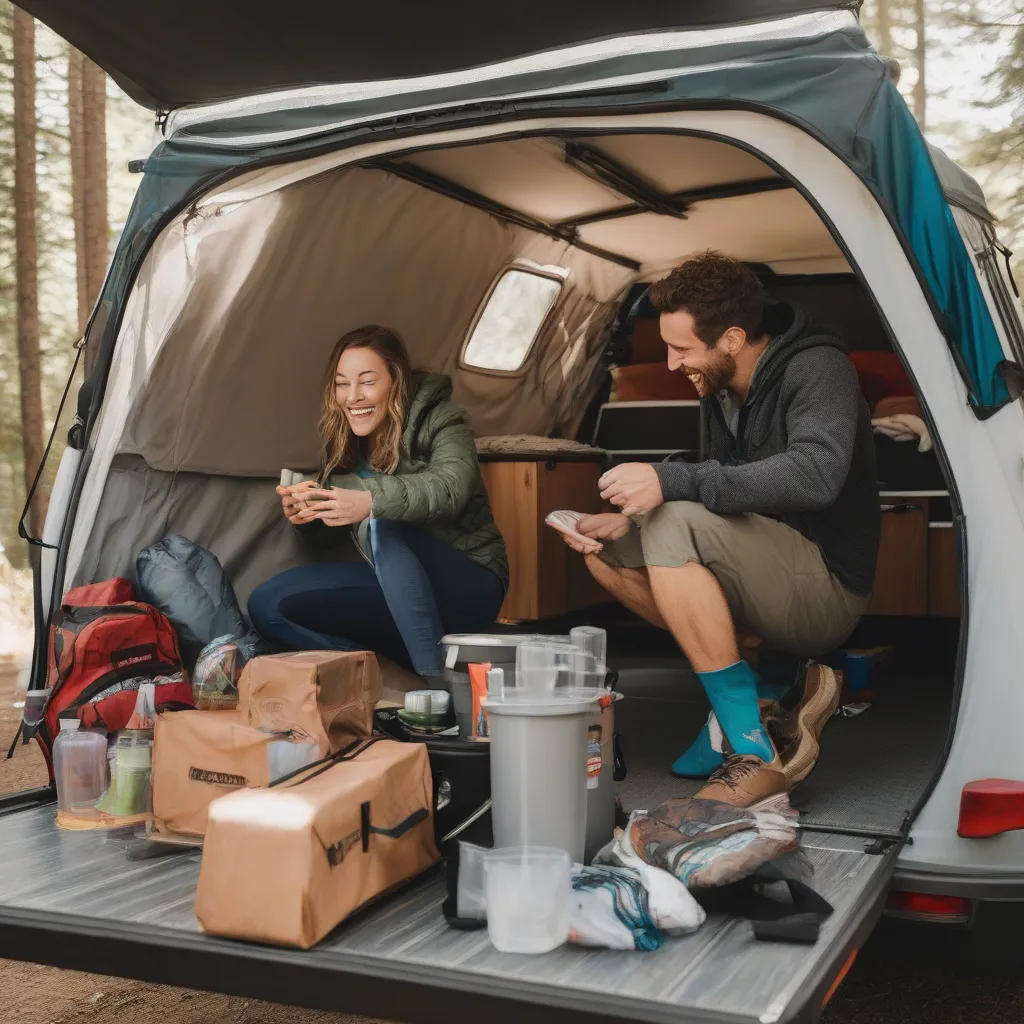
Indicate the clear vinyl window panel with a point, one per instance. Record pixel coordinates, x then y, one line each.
507 326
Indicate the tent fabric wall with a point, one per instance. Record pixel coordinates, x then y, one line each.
274 282
224 340
238 518
824 78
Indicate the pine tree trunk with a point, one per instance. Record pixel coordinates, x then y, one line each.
76 125
921 85
26 258
884 27
97 231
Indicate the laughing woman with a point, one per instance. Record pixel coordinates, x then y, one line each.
399 469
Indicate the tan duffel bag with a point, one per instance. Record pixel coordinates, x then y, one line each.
325 697
288 864
199 756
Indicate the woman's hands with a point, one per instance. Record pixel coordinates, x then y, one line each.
293 499
334 506
596 529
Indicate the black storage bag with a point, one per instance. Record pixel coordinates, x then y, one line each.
461 771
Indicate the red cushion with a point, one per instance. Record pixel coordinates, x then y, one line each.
651 382
881 375
646 344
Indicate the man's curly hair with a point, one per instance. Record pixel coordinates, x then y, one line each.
717 291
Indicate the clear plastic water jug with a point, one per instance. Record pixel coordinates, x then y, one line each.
80 768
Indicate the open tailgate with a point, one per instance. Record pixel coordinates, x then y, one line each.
73 900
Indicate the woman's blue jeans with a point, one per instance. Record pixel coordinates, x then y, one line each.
417 590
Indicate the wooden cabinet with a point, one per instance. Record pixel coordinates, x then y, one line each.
547 578
943 581
901 577
916 573
917 566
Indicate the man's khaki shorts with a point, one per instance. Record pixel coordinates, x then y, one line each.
775 580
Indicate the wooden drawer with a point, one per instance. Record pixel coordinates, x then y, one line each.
547 578
943 582
901 577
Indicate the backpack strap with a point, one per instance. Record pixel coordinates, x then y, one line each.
799 921
773 921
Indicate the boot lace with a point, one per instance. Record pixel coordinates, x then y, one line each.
736 769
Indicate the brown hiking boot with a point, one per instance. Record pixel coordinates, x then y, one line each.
796 733
745 781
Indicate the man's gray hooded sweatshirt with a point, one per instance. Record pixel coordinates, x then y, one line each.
802 452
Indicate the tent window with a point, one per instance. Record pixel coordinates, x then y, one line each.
511 317
989 259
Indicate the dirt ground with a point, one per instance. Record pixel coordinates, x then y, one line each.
890 983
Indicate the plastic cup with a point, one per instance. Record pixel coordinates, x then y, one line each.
471 900
35 700
585 675
593 641
496 683
527 890
536 669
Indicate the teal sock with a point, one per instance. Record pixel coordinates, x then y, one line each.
733 695
700 759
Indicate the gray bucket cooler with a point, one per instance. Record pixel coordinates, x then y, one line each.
598 727
465 649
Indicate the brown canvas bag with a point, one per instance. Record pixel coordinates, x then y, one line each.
324 697
199 756
287 864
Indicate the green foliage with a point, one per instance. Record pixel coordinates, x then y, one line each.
1001 152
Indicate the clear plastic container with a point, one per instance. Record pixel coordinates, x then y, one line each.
592 640
80 769
215 678
35 702
285 757
527 890
536 669
470 894
128 794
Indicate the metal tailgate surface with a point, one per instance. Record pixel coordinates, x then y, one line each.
74 900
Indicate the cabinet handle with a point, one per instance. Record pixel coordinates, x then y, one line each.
901 509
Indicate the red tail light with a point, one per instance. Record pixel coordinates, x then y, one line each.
990 807
923 906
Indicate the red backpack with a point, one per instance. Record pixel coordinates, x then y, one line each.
103 643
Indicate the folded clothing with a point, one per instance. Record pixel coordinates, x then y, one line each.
904 427
610 909
706 843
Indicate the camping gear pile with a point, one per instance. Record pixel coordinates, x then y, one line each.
311 796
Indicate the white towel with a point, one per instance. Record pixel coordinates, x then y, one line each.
904 427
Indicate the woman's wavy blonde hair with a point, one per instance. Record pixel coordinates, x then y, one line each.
335 433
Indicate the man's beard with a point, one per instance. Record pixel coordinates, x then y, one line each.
715 376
